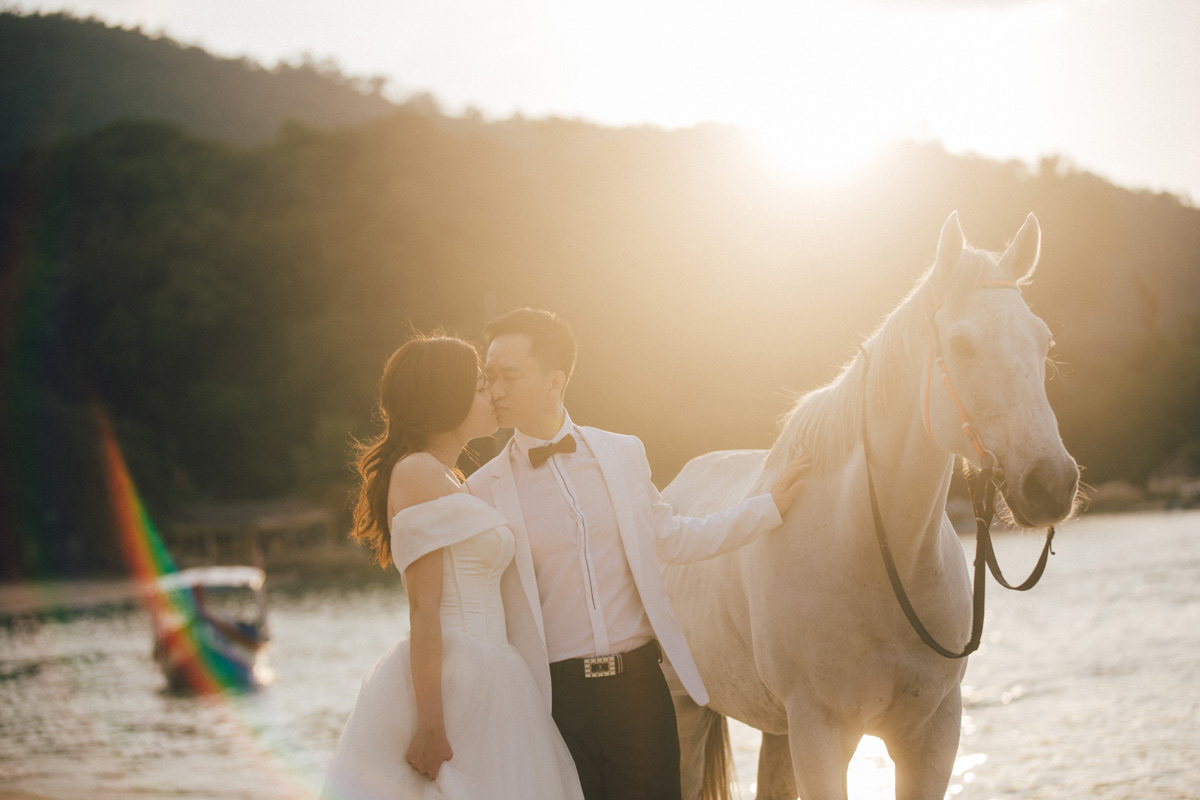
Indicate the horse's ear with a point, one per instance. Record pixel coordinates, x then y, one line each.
950 247
1021 257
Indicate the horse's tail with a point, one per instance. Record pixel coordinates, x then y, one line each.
719 773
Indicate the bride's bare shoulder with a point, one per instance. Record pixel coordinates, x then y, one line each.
418 478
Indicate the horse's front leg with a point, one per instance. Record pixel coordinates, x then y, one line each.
776 780
925 757
821 753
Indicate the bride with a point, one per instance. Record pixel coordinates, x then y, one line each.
453 711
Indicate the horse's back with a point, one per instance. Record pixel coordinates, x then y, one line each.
715 481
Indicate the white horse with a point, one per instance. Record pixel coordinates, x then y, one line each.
799 633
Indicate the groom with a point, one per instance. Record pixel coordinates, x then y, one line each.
584 601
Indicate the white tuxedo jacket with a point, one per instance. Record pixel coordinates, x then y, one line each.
650 533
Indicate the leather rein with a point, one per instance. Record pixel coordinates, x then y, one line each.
982 488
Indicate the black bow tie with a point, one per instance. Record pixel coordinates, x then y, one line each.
539 455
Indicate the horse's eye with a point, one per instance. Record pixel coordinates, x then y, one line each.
962 347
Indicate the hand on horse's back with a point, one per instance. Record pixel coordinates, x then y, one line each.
788 485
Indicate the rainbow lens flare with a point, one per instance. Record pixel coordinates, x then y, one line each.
201 670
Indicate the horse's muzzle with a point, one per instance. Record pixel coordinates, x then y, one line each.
1045 493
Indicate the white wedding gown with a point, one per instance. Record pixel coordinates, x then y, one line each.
505 744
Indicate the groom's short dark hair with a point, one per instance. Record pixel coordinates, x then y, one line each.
550 337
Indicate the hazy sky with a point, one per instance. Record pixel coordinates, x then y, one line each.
1113 85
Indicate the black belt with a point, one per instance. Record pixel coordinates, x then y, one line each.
607 666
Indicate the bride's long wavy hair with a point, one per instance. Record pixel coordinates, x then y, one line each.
427 387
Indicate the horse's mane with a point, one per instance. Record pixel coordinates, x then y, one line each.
825 422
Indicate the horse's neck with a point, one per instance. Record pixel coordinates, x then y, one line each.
911 476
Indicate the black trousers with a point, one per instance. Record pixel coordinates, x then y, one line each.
620 730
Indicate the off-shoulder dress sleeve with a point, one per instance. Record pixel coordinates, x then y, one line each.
419 530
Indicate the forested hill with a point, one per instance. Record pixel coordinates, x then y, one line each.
61 75
230 308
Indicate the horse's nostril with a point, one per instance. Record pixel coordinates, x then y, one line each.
1047 489
1033 487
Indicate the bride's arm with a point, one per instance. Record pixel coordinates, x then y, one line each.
430 747
416 479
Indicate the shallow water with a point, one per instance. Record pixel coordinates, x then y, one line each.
1085 687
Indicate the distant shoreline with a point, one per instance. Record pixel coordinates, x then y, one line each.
39 597
17 794
43 597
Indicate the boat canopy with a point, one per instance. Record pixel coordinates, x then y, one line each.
251 577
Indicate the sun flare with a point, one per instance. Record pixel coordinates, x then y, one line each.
816 156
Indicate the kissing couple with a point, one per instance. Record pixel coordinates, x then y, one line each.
539 623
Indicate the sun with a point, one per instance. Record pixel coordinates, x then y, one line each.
825 91
817 155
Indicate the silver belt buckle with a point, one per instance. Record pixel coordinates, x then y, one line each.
601 666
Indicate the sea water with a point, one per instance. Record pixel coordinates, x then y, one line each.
1088 686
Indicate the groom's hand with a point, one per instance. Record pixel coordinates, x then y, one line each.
790 483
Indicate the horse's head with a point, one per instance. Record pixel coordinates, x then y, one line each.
993 350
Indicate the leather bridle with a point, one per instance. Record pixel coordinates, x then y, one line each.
982 487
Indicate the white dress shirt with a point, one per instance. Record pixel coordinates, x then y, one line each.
590 603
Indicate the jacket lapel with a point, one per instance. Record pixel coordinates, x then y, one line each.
618 491
508 503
